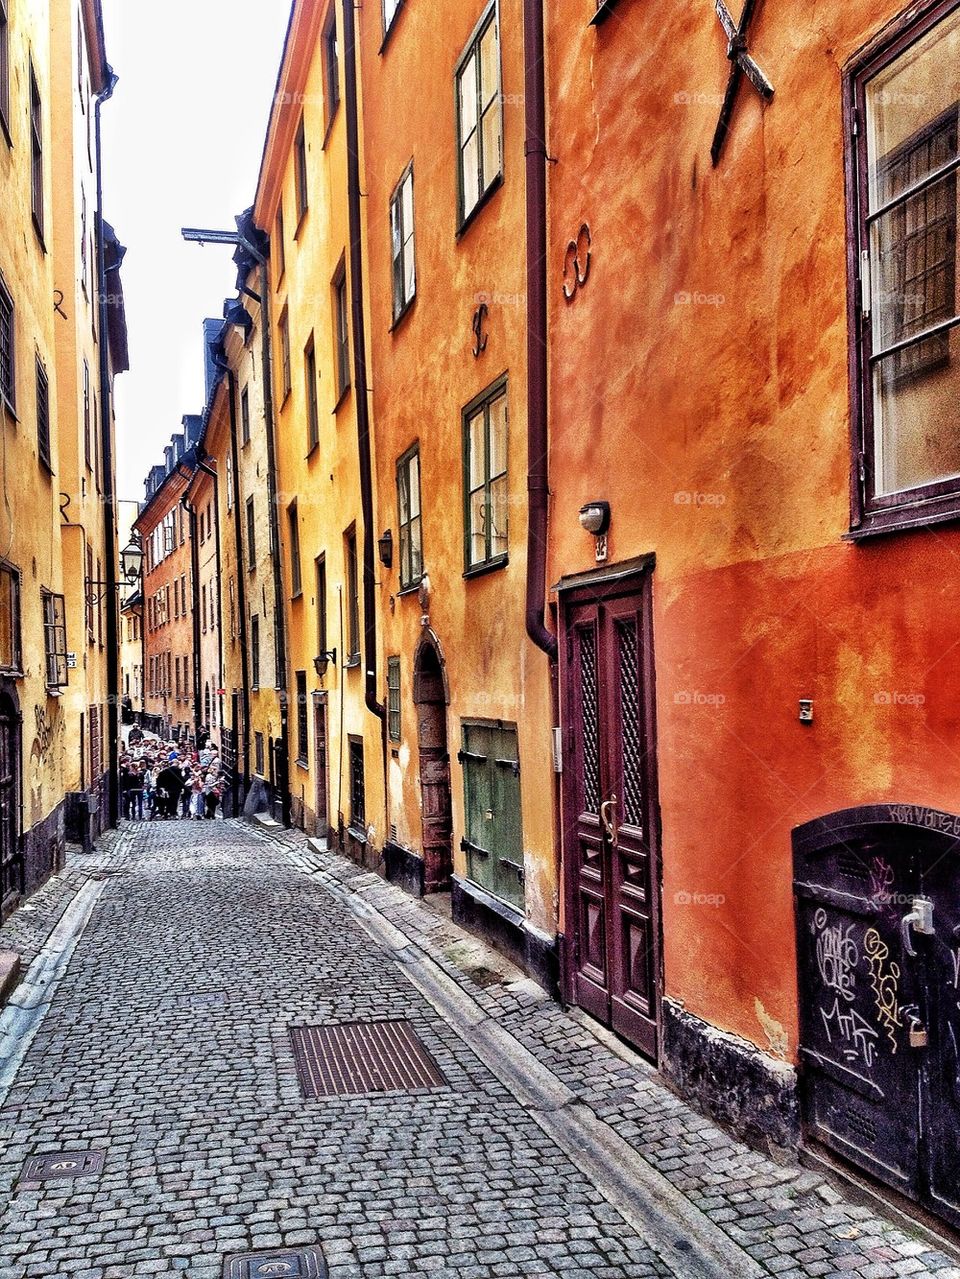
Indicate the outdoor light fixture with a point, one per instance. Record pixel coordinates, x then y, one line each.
131 563
323 661
131 560
385 547
595 517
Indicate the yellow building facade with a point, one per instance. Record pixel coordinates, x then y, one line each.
334 739
51 520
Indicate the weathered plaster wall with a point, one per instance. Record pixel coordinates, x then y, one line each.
699 383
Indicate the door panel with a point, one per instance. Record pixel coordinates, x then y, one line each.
610 811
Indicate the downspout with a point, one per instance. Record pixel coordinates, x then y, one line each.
538 479
241 570
283 780
360 366
195 601
109 495
211 471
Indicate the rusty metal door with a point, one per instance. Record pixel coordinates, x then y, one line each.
610 809
878 948
11 857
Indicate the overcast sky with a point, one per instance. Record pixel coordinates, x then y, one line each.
183 137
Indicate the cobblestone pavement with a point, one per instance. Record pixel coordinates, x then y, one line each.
166 1047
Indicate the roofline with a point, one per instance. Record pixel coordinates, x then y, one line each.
285 112
190 457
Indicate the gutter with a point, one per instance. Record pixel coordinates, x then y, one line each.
360 365
109 493
538 470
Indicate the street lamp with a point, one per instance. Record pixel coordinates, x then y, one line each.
131 560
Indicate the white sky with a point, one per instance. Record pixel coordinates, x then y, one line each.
183 137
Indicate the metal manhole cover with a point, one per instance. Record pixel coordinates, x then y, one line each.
362 1057
63 1164
204 997
304 1263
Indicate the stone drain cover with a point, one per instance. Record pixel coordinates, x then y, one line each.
303 1263
353 1058
63 1164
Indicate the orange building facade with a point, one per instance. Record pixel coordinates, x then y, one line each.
753 345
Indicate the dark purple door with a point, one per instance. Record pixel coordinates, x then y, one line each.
611 811
11 861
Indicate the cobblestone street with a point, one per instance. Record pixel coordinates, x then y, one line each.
166 1047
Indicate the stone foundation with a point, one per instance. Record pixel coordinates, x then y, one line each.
731 1080
507 931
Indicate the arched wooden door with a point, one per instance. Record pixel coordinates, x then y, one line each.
429 694
11 858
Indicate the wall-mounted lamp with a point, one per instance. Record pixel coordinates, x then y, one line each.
323 661
595 517
385 547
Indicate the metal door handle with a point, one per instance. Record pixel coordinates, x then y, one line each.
605 810
920 919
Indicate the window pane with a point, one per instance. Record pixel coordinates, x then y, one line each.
416 551
396 231
491 145
905 97
414 471
478 523
498 436
407 204
406 572
403 488
470 166
476 451
912 132
489 68
468 97
498 517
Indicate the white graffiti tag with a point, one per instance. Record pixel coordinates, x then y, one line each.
884 978
858 1036
837 956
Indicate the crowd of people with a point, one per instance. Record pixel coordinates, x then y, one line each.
162 780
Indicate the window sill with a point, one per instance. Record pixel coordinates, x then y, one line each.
902 520
490 566
9 409
47 466
5 130
352 663
413 588
339 404
39 233
302 763
296 597
11 672
280 279
468 221
285 398
303 218
402 314
360 836
330 123
312 451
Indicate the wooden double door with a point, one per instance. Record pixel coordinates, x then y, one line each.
611 814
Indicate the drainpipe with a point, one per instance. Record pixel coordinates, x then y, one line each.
109 496
538 481
203 465
195 598
360 366
283 779
241 571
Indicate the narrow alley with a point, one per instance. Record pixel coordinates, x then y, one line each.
149 1046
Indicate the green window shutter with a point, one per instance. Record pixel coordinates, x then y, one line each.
494 832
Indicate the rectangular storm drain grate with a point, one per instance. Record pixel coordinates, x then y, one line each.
304 1263
204 999
63 1164
362 1057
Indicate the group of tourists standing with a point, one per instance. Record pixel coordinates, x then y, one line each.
166 780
